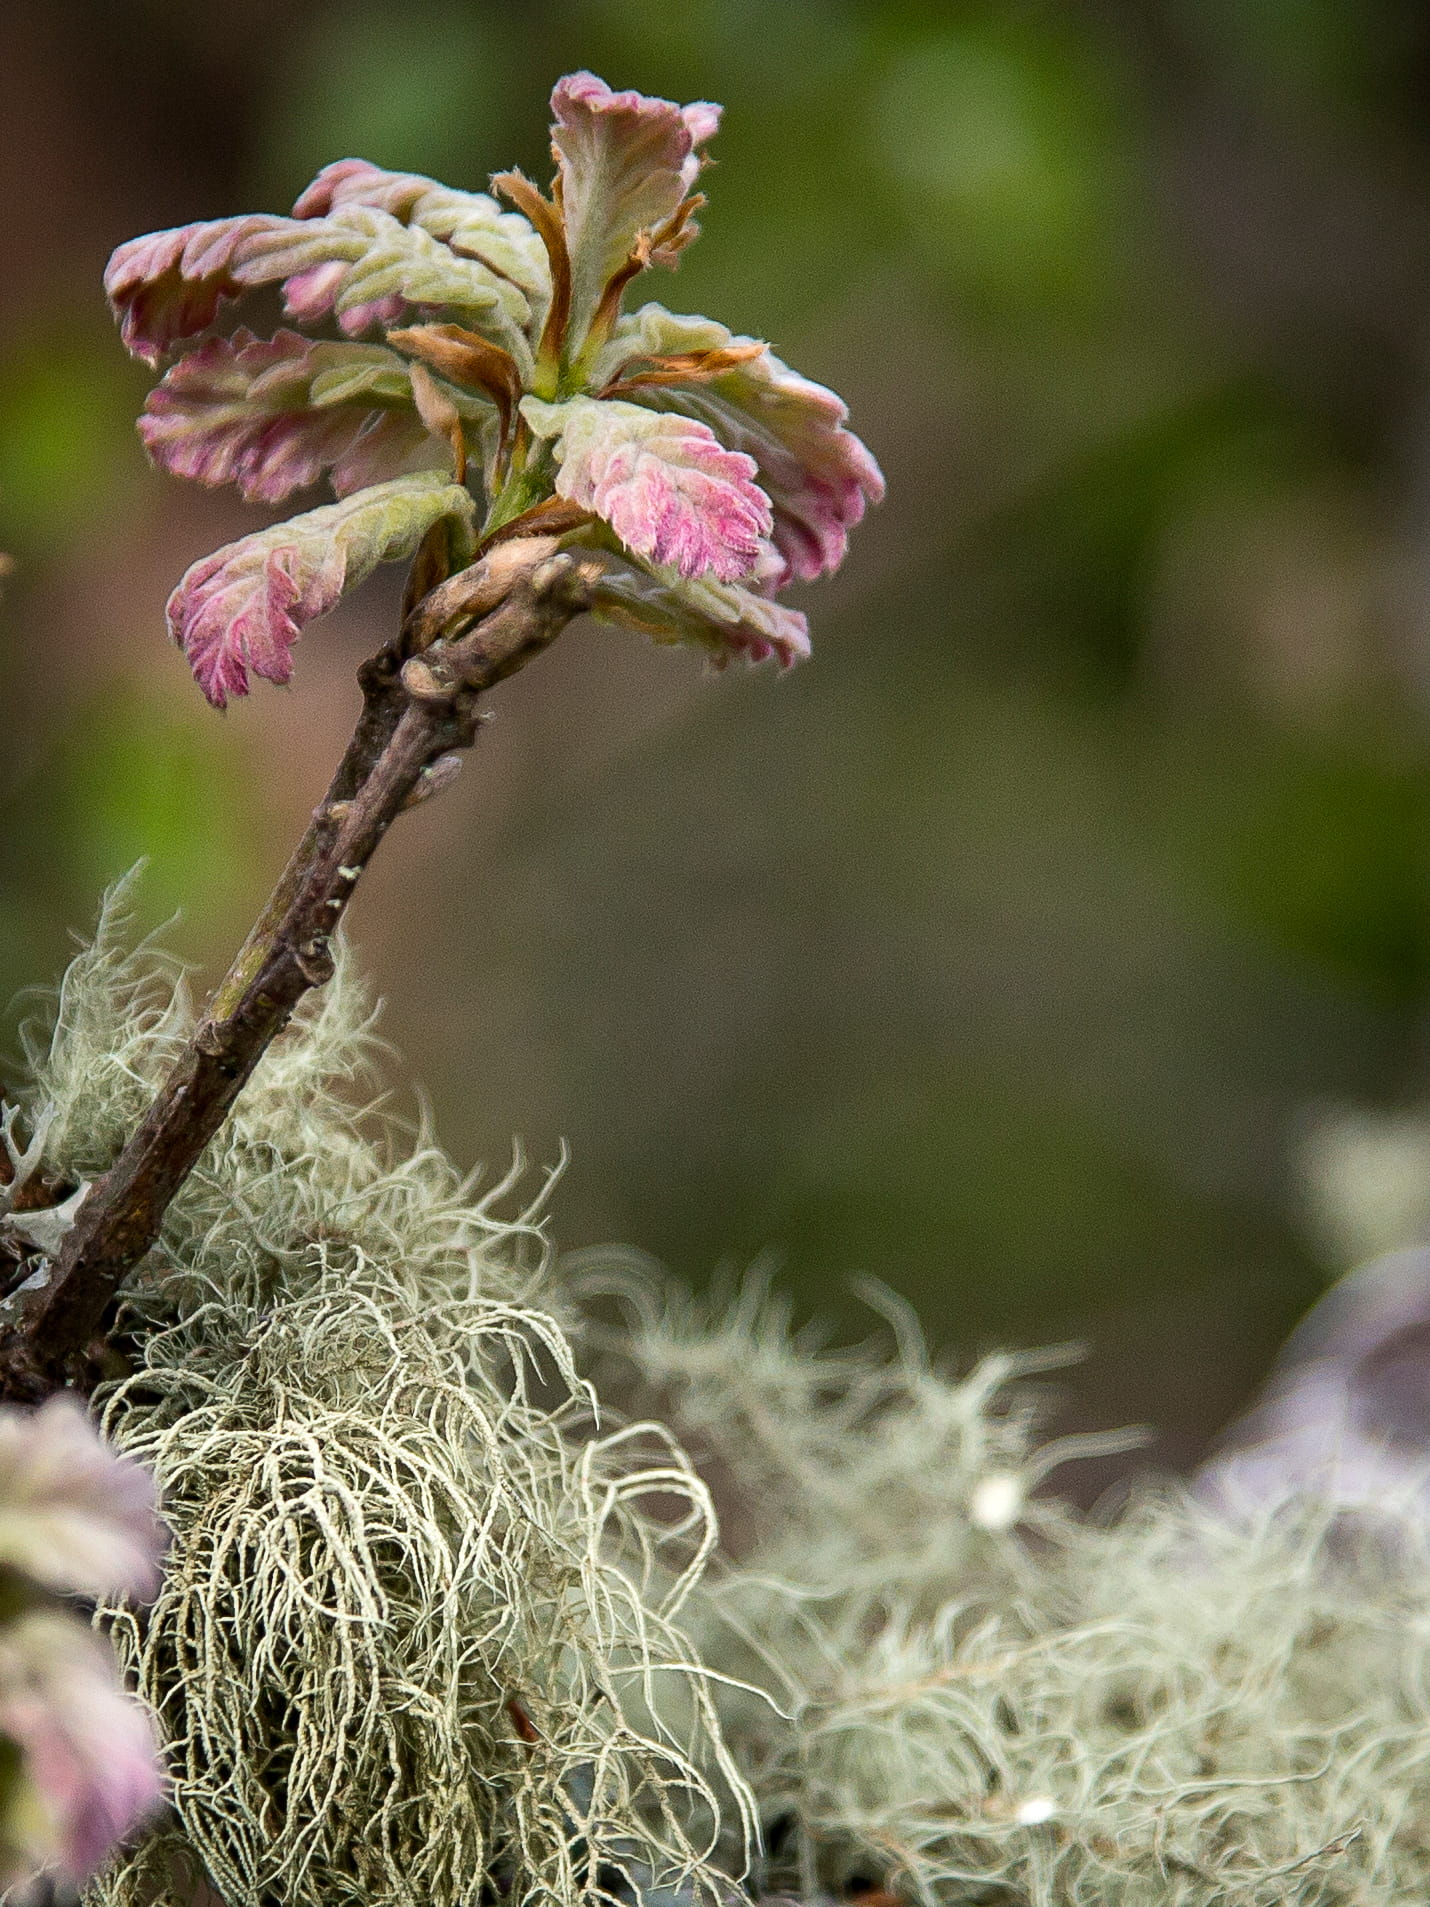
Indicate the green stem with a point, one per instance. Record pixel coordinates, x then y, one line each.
530 480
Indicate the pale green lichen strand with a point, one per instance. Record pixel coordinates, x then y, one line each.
394 1513
1162 1706
397 1510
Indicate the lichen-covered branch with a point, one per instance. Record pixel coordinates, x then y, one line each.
420 707
511 403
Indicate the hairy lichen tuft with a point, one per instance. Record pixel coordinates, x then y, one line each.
438 1627
420 1603
979 1697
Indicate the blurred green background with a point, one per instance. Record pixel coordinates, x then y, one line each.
1007 951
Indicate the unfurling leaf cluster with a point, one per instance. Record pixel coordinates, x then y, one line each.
447 348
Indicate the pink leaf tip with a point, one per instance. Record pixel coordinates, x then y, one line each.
244 607
817 474
625 164
725 619
666 485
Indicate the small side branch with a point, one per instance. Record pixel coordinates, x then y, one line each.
416 711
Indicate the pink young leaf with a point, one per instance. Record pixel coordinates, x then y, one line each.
170 285
74 1514
472 223
273 414
726 619
359 264
625 163
398 444
311 297
89 1766
819 476
244 607
387 267
666 485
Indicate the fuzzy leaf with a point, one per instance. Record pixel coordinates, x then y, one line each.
818 475
170 285
273 414
388 267
245 606
472 223
89 1765
725 618
666 485
624 166
74 1514
359 264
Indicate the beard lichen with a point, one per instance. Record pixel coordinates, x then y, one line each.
439 1627
981 1697
419 1605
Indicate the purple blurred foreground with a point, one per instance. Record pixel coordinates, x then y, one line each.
76 1519
1345 1415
